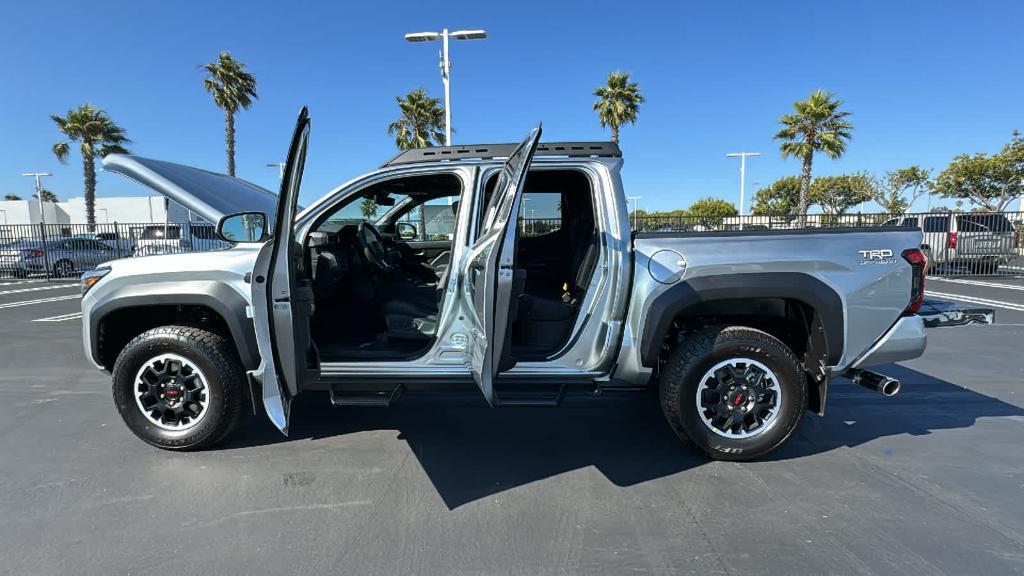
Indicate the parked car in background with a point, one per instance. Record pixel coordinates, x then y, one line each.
120 244
174 238
62 257
979 241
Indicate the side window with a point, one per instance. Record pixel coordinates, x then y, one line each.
420 207
910 222
541 213
936 224
432 220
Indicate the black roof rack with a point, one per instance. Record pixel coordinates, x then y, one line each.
487 151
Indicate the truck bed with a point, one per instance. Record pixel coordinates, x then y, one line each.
857 274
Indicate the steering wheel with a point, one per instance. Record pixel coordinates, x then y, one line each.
372 244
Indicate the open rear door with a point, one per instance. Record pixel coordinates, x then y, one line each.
282 297
489 270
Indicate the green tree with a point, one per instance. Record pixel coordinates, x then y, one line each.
421 124
96 134
233 89
48 196
899 189
619 102
989 182
709 212
368 208
781 198
12 197
817 124
836 194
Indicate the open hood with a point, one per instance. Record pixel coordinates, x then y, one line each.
208 194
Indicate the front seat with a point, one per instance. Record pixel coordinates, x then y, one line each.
412 313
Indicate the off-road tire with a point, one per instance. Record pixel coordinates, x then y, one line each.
702 349
224 376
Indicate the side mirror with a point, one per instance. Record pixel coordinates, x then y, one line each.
243 227
406 231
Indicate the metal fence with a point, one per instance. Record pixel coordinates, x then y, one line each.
957 243
56 251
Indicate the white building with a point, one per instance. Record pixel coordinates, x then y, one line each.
126 209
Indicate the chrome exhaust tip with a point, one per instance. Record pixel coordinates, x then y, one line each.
880 383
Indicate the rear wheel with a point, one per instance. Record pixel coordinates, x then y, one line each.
737 393
179 387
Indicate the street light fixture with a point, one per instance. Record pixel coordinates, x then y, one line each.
743 173
39 192
280 168
446 65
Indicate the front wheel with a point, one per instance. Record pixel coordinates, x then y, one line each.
179 387
737 393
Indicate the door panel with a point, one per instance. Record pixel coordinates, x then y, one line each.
283 298
489 269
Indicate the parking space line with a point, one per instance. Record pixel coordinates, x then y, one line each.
39 301
38 288
60 318
974 300
20 282
980 283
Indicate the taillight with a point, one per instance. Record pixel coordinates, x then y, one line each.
951 241
32 253
918 264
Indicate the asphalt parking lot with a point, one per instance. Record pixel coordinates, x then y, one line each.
928 482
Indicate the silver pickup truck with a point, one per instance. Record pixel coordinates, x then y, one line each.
739 331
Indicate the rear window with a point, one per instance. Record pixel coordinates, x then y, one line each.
936 224
983 223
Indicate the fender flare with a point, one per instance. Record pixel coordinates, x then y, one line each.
825 302
216 296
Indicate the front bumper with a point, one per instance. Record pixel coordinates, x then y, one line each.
906 340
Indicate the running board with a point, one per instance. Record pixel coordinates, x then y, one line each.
376 399
531 397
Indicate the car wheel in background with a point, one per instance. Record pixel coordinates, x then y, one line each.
63 268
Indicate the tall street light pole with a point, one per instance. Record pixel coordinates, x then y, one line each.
446 65
743 174
39 192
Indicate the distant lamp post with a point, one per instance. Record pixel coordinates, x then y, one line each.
636 208
743 174
280 168
39 192
446 65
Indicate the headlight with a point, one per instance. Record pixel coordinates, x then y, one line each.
90 278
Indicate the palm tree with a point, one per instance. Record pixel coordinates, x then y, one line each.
96 134
619 102
368 208
12 197
421 124
816 125
48 196
232 88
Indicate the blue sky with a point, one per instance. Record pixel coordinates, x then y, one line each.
924 80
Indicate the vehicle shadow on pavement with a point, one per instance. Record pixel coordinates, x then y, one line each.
471 451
